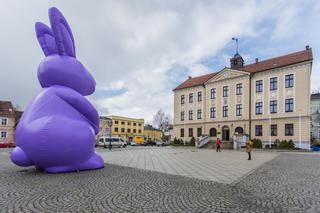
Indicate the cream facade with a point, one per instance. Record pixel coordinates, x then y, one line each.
267 100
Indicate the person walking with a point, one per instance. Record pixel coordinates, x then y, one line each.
218 145
249 146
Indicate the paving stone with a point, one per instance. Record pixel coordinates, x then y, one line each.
288 183
190 162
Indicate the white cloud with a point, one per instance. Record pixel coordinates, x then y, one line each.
138 51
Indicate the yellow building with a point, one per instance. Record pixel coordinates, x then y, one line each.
151 133
267 99
127 128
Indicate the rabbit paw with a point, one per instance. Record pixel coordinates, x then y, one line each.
19 157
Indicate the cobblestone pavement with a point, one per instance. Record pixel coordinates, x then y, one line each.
288 183
206 164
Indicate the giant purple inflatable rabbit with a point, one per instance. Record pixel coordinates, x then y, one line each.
57 130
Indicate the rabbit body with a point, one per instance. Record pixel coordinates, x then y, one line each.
57 130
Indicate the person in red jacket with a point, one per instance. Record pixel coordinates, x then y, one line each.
218 145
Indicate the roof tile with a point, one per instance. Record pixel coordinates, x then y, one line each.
281 61
6 109
196 81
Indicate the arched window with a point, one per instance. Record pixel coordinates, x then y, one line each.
213 132
238 130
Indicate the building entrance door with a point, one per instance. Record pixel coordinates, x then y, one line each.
225 133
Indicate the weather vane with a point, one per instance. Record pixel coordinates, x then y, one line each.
236 39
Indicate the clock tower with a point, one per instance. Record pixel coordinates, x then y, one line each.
236 61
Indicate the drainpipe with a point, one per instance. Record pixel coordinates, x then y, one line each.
250 77
204 102
299 131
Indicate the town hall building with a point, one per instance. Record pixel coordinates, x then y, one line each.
267 99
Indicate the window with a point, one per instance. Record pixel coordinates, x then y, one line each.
139 131
134 131
199 96
288 129
129 123
190 115
259 86
289 105
213 93
213 132
116 122
134 124
182 116
122 130
258 130
273 130
190 132
239 109
3 135
199 114
4 121
199 132
225 111
212 112
116 129
273 106
182 99
258 108
289 81
122 123
181 133
191 98
225 91
274 83
239 89
139 124
128 130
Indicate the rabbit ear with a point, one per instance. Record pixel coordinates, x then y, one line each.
46 39
62 33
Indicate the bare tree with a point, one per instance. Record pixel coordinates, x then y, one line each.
162 120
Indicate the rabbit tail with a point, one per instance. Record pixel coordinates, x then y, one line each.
19 157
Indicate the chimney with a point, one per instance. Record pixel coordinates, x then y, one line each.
257 60
189 77
307 47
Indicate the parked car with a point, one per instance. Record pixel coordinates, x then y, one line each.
7 145
315 148
132 143
168 143
160 143
104 141
149 143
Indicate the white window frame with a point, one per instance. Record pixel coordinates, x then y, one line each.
6 133
1 118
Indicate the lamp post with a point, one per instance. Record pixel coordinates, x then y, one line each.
109 123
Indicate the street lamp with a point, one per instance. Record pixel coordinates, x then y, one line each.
109 123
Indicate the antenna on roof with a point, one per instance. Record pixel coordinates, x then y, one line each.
236 39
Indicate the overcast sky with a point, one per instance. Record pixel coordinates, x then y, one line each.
138 51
